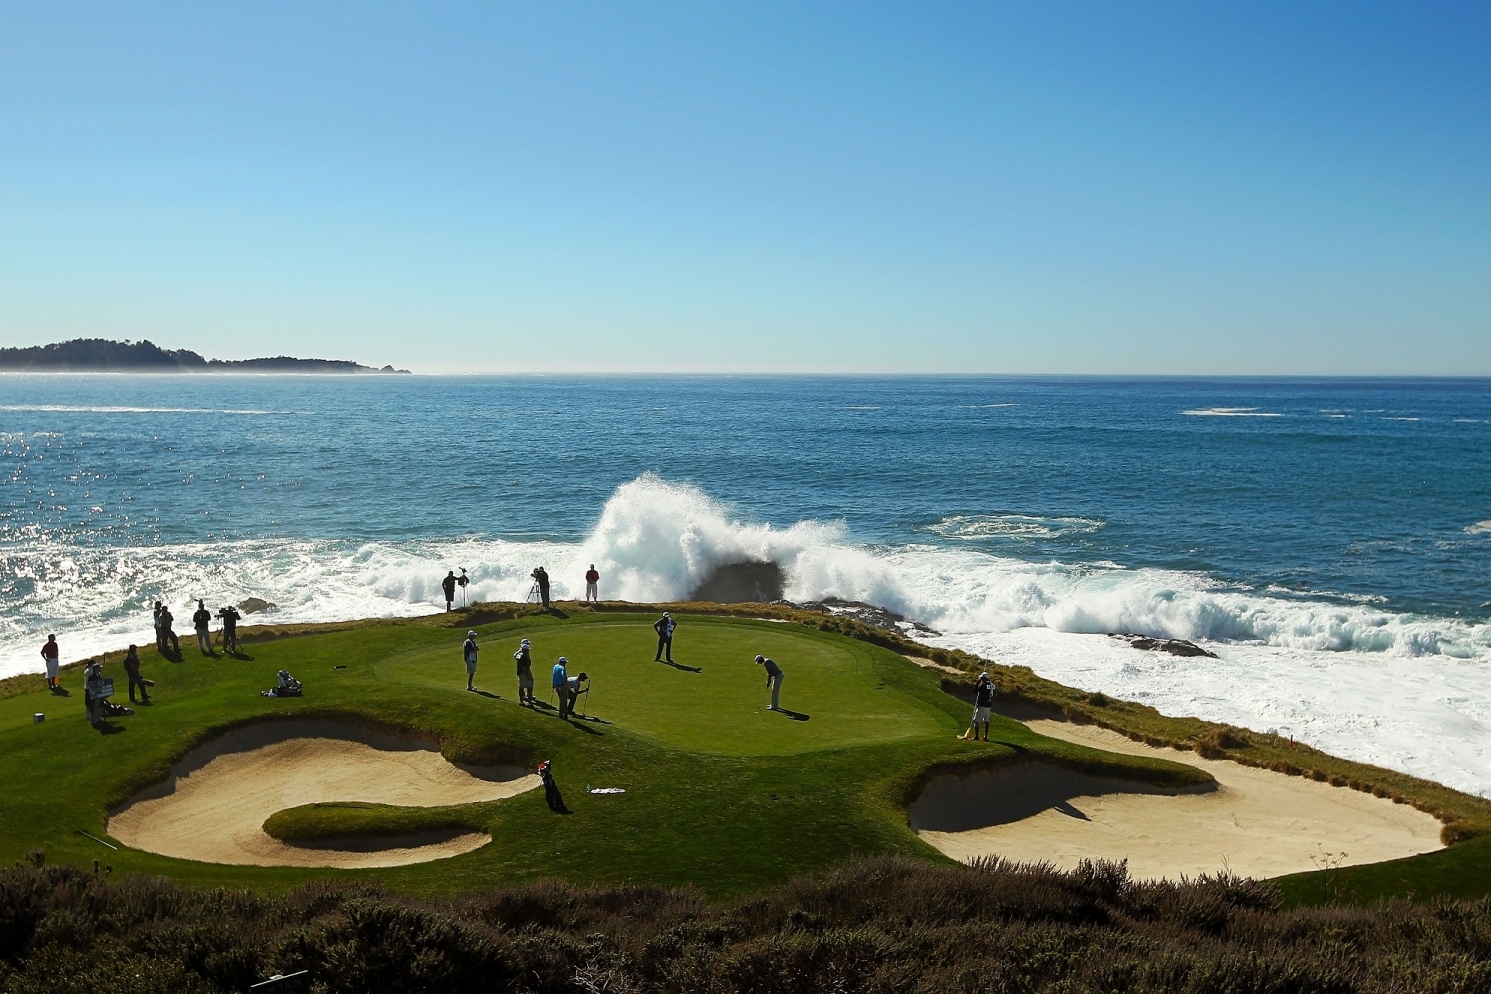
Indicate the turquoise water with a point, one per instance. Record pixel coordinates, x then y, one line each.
1296 526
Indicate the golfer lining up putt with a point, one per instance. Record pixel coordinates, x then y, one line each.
773 680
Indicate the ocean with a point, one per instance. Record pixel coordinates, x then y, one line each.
1328 539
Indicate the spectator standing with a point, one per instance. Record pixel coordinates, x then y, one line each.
167 633
202 623
592 584
664 627
50 653
132 670
160 640
449 586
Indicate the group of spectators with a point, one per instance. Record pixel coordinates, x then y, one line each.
453 583
165 635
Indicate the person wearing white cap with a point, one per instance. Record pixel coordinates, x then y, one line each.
524 656
664 627
470 651
983 701
559 680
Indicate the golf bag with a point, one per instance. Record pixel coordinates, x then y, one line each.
551 789
287 686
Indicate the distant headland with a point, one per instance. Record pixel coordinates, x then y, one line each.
83 354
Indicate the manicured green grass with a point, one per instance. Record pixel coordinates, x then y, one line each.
310 823
720 794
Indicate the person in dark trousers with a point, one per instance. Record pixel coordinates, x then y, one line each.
202 624
572 687
449 586
983 701
160 640
541 577
167 634
559 680
524 656
49 654
592 584
664 627
773 680
132 670
469 650
230 617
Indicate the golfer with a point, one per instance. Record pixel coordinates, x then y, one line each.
132 670
201 622
449 586
983 700
49 652
559 679
664 627
773 680
572 692
592 584
469 648
524 656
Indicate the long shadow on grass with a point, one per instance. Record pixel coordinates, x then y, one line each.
794 715
680 666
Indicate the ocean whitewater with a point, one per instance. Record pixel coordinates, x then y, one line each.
1332 554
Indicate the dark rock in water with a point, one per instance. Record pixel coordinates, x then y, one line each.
1176 647
253 605
868 614
741 583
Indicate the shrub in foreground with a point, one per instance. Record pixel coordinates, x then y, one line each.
881 925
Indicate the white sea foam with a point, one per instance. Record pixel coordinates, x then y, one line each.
1479 528
1406 691
1231 412
1015 526
95 409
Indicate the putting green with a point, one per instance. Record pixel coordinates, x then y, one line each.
713 699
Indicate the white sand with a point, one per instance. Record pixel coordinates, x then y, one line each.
1257 824
214 806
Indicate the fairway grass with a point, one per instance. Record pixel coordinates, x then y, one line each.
719 793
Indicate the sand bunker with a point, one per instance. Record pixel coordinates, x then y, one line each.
215 803
1255 823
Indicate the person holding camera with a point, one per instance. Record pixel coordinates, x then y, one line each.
229 616
541 577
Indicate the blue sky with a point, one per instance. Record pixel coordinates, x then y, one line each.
1088 188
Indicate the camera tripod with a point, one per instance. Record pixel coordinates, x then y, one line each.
533 594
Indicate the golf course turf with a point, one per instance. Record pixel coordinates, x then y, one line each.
720 793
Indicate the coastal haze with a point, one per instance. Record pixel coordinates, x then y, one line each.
1326 539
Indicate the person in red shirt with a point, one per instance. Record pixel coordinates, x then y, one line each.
592 584
49 653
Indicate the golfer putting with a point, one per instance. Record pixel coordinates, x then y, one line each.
773 680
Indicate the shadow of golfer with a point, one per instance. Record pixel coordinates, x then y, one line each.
794 715
489 695
571 721
680 666
61 692
108 728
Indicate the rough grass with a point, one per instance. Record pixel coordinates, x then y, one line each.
870 925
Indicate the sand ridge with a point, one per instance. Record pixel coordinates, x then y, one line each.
1255 823
214 805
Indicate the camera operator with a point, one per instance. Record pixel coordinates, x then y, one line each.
541 577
